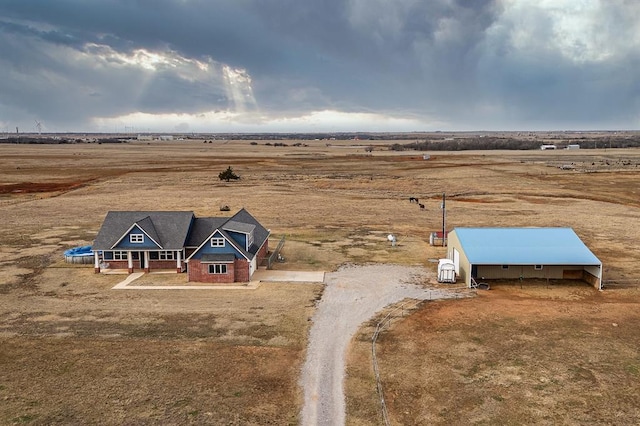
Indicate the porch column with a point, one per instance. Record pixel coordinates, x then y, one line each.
130 261
96 262
146 261
179 261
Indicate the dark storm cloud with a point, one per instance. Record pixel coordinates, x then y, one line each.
469 63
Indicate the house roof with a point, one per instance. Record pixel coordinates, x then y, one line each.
260 233
202 228
220 257
242 221
169 229
147 226
176 230
524 246
236 226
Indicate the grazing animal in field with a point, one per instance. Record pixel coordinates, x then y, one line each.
413 199
421 206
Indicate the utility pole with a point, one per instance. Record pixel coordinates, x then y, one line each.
444 220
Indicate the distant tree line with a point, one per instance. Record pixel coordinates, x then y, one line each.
306 136
509 143
55 141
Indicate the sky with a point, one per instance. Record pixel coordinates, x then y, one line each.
318 66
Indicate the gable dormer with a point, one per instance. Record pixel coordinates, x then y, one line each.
137 238
242 233
218 243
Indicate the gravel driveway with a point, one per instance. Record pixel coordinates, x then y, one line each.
352 296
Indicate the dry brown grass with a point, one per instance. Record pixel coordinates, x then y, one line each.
73 351
541 355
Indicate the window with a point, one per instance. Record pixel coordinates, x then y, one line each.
505 266
217 242
166 255
161 255
136 238
217 268
119 255
537 267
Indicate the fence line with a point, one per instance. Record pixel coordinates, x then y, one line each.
275 253
386 321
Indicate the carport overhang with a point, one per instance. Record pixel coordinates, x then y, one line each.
591 273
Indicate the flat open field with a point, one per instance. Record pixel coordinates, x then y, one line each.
73 351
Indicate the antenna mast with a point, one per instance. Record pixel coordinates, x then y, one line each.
444 220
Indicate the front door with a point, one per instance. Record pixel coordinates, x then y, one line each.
141 257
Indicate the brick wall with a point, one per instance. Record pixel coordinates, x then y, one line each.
118 264
162 264
241 270
153 264
199 272
262 253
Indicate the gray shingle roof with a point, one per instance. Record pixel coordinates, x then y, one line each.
223 257
236 226
202 228
260 233
170 228
176 230
206 226
146 225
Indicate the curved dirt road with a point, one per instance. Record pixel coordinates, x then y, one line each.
352 295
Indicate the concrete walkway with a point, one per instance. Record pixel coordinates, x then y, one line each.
130 278
258 277
269 275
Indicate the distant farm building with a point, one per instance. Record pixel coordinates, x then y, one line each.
573 146
522 253
545 147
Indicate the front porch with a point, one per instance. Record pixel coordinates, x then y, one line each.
139 260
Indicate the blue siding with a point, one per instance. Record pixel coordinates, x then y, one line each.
239 238
228 248
147 243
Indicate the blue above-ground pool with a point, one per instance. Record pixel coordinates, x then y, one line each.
82 254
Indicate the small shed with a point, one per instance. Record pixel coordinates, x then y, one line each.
436 238
522 253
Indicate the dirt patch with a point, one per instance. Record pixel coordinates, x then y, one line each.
510 356
31 187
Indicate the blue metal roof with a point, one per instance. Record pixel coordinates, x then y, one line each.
524 246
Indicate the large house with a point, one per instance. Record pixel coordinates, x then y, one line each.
522 253
210 249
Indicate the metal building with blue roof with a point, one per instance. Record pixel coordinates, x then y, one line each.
522 253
